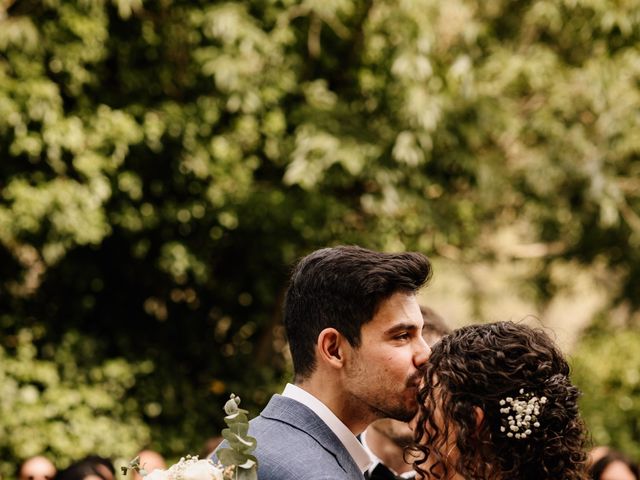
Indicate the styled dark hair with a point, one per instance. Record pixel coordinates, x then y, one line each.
598 468
342 288
477 367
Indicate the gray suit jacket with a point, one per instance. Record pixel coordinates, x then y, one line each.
295 444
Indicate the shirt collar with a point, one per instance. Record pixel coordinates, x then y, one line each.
372 456
346 436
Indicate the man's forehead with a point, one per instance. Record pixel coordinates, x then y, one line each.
399 309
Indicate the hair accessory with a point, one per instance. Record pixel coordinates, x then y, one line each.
520 415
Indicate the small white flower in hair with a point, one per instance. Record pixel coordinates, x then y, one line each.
525 409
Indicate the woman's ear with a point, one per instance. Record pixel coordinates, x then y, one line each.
330 345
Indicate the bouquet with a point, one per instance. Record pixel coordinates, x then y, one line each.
236 460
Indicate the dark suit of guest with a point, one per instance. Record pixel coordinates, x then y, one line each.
380 472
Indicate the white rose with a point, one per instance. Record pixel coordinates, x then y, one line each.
158 474
202 470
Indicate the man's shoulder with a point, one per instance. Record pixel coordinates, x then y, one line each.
290 445
287 435
294 443
287 413
297 463
288 453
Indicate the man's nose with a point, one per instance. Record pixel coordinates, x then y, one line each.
421 355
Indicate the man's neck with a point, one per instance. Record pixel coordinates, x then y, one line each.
332 421
336 400
389 453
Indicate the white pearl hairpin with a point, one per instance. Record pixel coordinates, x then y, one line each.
520 415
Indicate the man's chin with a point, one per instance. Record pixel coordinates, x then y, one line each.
397 412
406 414
403 412
410 405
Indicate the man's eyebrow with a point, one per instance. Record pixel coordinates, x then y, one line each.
402 327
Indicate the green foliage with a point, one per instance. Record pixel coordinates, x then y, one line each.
607 369
163 164
66 405
241 444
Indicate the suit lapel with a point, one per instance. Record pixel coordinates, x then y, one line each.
302 418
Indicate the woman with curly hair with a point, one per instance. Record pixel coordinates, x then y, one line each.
497 404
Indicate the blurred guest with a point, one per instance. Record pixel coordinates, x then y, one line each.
37 468
597 452
103 466
614 466
150 460
92 467
434 326
386 439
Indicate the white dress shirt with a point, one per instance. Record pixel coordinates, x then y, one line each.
346 436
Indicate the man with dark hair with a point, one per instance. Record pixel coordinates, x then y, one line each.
355 333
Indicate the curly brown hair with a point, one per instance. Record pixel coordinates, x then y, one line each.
467 375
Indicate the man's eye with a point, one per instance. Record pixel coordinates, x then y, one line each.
402 336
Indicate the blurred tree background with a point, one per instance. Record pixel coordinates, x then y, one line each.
164 163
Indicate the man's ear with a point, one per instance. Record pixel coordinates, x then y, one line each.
330 347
